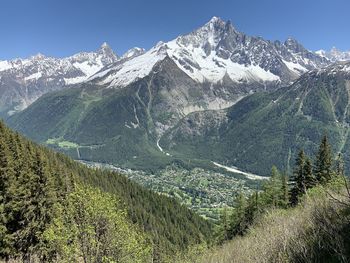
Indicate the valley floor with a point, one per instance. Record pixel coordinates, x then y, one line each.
204 191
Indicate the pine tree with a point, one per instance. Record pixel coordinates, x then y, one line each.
323 165
284 198
252 209
340 167
272 188
237 222
298 178
302 179
309 179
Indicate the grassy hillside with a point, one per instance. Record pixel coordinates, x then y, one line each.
315 231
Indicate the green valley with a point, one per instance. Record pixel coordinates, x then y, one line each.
213 147
207 192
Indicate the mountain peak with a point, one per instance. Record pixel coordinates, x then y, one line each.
215 19
293 45
38 56
291 41
334 49
215 23
104 45
107 52
133 52
210 33
105 48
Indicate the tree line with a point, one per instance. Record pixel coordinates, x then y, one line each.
281 190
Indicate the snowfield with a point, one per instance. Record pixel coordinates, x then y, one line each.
237 171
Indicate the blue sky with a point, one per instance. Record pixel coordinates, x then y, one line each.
64 27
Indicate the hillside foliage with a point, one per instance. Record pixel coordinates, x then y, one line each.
303 219
53 208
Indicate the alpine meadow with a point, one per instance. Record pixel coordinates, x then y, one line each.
206 144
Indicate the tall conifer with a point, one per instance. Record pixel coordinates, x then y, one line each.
323 165
298 178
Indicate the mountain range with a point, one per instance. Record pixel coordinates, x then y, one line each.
217 51
213 53
196 97
334 54
22 81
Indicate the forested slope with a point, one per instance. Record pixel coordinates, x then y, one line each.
38 185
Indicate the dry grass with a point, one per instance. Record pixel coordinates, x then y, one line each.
294 235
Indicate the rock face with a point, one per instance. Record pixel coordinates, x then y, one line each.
22 81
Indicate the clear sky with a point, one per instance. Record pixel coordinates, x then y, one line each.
64 27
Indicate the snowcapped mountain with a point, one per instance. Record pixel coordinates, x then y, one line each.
217 51
127 111
334 54
22 81
133 52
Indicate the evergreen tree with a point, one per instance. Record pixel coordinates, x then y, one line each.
340 166
272 189
298 178
284 198
302 179
309 179
323 165
237 223
224 226
252 210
